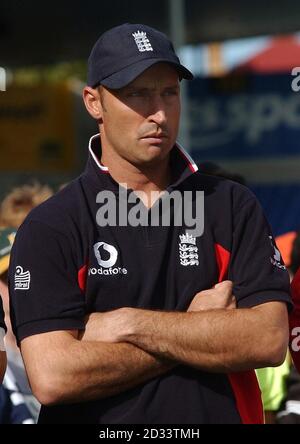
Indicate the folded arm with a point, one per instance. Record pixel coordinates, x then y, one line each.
63 369
66 367
213 340
122 349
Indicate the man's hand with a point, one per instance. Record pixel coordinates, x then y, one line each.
113 326
210 336
219 297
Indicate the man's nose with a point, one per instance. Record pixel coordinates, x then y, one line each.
157 112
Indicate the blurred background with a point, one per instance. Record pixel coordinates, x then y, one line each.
241 112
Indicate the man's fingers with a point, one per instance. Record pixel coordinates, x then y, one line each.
225 286
225 289
233 302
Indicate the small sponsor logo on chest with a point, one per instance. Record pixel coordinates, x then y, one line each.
107 258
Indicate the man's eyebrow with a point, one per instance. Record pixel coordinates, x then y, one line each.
173 86
138 87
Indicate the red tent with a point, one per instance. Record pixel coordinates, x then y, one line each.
282 55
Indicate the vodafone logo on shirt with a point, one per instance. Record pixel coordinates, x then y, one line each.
107 257
112 252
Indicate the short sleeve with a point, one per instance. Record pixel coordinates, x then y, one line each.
256 267
43 287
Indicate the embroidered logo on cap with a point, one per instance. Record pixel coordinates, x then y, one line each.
142 41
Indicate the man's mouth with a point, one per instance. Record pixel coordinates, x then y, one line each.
155 137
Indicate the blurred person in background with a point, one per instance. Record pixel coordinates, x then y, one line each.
20 201
17 404
281 386
170 357
295 322
290 410
273 382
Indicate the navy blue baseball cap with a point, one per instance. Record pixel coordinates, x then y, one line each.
124 52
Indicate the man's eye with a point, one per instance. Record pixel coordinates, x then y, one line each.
138 94
171 93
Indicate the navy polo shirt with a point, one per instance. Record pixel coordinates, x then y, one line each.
64 266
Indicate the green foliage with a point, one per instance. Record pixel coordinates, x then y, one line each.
62 72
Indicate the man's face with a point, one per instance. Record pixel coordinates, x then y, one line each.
140 121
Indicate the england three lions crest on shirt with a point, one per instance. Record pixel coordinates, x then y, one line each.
188 251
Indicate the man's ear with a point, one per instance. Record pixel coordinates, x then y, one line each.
91 98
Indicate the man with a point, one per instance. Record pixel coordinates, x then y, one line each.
2 349
280 385
289 412
132 323
17 404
